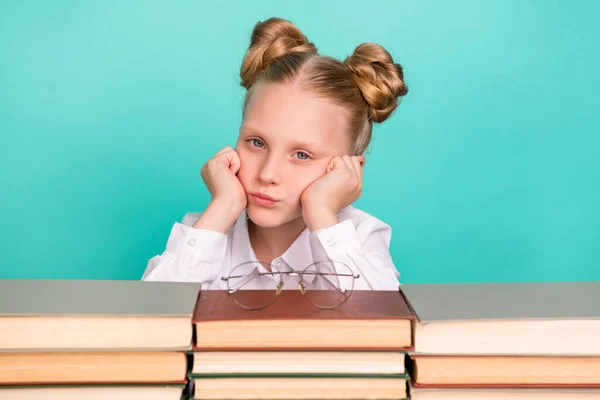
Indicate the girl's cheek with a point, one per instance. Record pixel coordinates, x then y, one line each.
306 181
245 160
242 174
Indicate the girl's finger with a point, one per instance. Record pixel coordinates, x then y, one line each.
335 163
233 160
354 168
224 150
349 163
358 167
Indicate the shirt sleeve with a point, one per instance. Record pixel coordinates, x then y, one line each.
363 248
191 255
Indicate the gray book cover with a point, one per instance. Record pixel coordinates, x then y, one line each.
96 298
504 301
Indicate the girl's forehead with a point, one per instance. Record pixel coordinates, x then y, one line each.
284 112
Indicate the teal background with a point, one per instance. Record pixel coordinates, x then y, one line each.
488 171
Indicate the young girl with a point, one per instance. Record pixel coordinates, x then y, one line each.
283 196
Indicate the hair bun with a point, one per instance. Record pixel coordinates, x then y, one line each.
379 79
270 40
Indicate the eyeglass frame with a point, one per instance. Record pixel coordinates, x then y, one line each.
281 284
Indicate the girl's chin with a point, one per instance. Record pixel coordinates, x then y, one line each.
268 218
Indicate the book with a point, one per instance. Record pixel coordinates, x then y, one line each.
92 392
499 371
300 388
504 394
105 367
298 362
541 318
368 320
95 314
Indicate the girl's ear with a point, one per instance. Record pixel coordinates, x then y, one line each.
361 159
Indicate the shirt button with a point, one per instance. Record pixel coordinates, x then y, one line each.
280 266
330 242
192 242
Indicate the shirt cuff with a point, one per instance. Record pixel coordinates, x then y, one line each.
199 244
335 242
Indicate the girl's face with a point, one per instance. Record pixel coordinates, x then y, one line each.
287 139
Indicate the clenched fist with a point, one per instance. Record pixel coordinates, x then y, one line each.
339 187
228 195
219 176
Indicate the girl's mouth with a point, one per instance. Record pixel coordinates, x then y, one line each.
263 199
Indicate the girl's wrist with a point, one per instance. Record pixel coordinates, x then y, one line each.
219 216
319 218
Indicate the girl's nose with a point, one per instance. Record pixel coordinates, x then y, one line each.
270 171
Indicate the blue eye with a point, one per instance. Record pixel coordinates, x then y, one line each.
302 155
257 143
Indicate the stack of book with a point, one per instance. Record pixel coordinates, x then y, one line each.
92 340
72 339
505 340
294 350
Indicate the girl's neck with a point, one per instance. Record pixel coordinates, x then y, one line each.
270 243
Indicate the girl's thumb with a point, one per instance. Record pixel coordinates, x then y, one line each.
334 163
233 161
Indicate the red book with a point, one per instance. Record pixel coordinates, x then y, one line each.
367 320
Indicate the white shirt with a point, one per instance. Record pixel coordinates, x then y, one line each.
359 240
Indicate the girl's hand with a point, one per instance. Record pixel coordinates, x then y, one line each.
338 188
219 176
228 195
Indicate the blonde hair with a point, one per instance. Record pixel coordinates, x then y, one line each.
366 84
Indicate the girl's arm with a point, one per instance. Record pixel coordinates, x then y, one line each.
360 241
196 247
191 254
341 233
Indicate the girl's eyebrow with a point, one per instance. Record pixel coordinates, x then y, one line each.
310 145
248 130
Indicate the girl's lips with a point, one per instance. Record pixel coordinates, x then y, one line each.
263 200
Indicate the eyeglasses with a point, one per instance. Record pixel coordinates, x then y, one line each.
325 284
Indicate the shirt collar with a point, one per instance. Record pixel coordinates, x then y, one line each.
297 257
241 249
